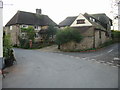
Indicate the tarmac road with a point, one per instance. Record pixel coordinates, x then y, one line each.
38 69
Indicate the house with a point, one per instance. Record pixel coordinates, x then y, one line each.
1 34
95 28
24 19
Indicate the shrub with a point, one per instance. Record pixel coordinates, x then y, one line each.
115 35
7 51
67 35
6 46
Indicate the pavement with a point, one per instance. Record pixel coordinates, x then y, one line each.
41 69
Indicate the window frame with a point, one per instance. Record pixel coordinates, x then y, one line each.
81 21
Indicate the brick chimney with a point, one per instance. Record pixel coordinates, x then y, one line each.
38 11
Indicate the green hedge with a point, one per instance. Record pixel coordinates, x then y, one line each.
115 35
67 35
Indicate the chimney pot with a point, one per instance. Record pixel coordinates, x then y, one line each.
38 11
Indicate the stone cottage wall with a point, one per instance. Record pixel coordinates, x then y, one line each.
14 32
87 41
91 39
98 40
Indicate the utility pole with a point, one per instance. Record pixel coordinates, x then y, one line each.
1 33
119 15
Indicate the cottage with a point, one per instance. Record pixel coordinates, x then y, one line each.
25 19
95 28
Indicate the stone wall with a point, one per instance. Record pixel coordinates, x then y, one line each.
14 32
86 42
91 39
103 39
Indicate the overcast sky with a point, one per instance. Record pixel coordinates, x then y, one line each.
57 10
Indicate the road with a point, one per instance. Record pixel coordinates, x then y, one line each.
108 55
38 69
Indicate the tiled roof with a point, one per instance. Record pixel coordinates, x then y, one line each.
68 21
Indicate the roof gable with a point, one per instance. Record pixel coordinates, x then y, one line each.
28 18
87 23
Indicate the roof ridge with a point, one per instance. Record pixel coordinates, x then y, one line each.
31 13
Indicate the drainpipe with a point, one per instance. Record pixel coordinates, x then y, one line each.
94 38
1 33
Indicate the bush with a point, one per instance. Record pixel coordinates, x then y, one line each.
7 51
116 35
67 35
24 43
6 46
106 44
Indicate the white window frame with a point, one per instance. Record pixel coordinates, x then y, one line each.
36 34
11 27
24 26
23 35
37 27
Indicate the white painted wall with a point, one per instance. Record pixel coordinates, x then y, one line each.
87 23
1 30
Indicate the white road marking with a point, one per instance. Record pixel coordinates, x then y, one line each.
93 59
116 58
115 66
102 61
77 57
109 63
110 51
118 65
72 56
60 54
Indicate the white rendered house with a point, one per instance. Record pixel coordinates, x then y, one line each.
1 31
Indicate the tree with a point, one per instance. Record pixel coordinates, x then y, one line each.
67 35
48 33
115 11
51 31
29 34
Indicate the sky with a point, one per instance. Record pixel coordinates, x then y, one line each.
57 10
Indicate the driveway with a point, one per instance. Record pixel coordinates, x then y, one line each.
38 69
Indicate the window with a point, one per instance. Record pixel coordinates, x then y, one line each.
23 35
81 21
25 26
10 27
99 34
37 28
92 19
36 35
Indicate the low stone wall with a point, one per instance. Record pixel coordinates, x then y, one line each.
86 43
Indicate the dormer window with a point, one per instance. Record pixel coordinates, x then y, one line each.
92 19
81 21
